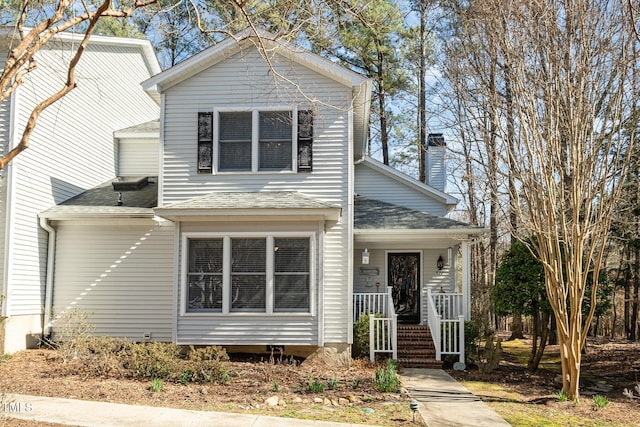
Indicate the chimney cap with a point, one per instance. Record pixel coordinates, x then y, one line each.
436 140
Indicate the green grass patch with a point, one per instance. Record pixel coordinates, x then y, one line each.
526 415
522 351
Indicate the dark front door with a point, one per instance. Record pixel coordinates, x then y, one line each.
404 275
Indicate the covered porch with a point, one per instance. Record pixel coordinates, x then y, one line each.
413 268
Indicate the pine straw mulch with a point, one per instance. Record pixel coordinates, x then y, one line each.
253 380
608 367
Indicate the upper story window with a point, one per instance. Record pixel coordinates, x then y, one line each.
255 141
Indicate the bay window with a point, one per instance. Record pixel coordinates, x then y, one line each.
247 274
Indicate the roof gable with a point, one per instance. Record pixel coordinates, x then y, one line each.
268 44
400 177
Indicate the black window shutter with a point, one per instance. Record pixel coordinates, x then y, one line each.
305 141
205 142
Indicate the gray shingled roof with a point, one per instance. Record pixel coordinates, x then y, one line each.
261 200
104 195
103 201
147 127
370 214
273 204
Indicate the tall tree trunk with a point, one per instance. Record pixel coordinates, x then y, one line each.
633 333
516 326
422 97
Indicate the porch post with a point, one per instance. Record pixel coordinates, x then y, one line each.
466 278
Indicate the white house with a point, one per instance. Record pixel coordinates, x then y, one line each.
71 151
249 216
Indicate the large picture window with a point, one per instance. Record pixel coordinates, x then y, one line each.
236 274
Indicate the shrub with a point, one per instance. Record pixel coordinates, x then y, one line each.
600 401
386 379
205 365
314 386
73 331
105 356
332 384
153 360
361 335
156 385
471 336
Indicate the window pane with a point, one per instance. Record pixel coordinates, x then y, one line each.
275 140
248 292
235 126
235 141
275 155
235 156
204 275
248 274
248 255
291 274
275 125
291 255
291 293
205 292
205 256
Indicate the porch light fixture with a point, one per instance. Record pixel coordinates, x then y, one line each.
365 257
440 263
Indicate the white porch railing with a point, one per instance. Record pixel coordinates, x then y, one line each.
446 321
371 303
383 331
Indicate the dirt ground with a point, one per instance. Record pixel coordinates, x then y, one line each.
607 369
349 395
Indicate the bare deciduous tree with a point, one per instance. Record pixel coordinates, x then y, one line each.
569 68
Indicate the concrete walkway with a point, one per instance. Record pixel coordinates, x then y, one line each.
103 414
443 402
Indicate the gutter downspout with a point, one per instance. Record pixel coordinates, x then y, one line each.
48 290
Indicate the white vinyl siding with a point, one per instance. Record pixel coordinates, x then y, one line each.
121 274
375 185
5 129
138 157
436 167
244 81
251 328
71 149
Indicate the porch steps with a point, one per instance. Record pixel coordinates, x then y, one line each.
416 348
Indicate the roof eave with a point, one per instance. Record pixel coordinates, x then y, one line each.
427 231
63 216
327 214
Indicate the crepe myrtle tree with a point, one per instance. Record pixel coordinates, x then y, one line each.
571 70
572 67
